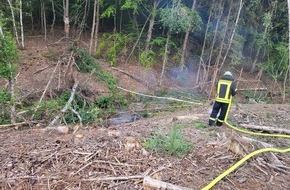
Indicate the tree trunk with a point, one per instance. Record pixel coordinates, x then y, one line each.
217 62
21 24
54 17
31 16
66 17
224 37
259 48
121 18
44 20
1 32
93 27
82 25
137 41
151 25
288 69
233 32
165 57
220 9
97 26
12 94
204 41
185 41
13 21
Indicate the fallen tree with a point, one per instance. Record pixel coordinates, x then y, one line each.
266 129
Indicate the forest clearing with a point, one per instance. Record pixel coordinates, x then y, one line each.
118 95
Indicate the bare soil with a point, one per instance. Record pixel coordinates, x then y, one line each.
33 158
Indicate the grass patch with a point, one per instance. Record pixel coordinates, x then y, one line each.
173 143
201 125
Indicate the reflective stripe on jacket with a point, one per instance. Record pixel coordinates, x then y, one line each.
224 91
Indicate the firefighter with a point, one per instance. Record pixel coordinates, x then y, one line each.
226 89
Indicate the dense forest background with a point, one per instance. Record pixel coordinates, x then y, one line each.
249 33
200 36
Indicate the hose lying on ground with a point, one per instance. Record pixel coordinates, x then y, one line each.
240 162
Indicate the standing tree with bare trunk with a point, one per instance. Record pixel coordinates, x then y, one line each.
95 28
8 69
66 17
176 19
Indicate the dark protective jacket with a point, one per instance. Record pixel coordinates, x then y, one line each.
226 89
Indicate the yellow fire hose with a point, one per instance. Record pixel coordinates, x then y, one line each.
240 162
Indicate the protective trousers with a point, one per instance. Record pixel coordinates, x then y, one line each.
218 107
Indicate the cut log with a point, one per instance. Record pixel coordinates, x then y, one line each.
151 184
266 129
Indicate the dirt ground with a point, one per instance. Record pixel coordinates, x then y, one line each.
113 157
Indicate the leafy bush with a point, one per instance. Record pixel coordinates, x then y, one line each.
173 143
8 55
115 45
258 96
105 102
147 58
277 64
86 63
4 103
111 102
4 96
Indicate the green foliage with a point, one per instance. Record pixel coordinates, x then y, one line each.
201 125
277 63
114 45
86 63
131 4
158 41
4 106
8 56
50 108
46 110
107 77
111 102
258 96
172 143
105 102
4 96
179 18
110 11
147 58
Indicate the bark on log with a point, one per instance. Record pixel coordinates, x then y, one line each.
150 184
266 129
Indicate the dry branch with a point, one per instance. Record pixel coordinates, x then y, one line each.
44 92
67 106
150 184
15 124
266 129
133 77
115 178
157 97
253 89
271 156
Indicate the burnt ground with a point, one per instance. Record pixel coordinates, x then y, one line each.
33 158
